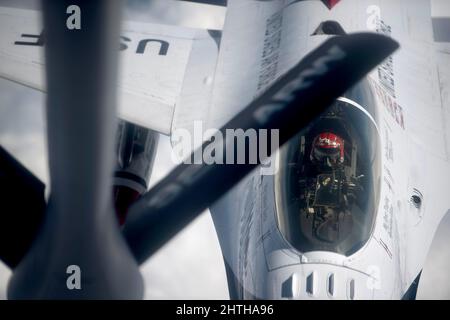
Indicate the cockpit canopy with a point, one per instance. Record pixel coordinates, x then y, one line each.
327 205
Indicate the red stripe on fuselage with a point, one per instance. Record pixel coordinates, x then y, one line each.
330 3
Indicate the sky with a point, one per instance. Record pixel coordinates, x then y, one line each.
190 266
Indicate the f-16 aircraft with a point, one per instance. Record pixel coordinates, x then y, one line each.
352 211
349 212
360 226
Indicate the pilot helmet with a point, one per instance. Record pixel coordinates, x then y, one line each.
327 150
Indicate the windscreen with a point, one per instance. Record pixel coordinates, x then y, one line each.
327 185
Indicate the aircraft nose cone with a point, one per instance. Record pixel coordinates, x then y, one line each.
319 281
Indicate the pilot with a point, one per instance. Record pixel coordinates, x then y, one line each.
327 151
326 197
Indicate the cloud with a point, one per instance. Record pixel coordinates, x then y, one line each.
176 12
435 279
190 266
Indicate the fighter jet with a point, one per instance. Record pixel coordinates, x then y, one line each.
358 196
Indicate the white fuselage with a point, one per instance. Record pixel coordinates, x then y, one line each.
410 92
